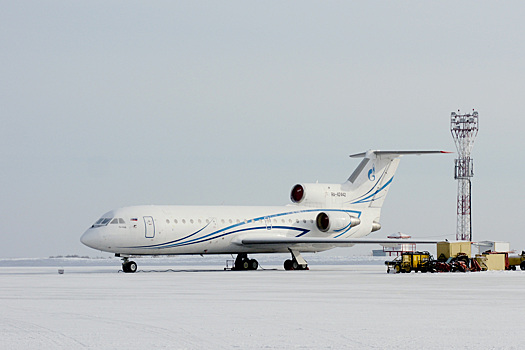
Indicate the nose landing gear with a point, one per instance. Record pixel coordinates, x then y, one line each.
128 266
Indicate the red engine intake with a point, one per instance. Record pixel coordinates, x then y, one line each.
297 194
335 221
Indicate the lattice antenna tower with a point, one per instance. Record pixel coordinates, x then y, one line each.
464 129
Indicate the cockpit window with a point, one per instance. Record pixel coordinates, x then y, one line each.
102 222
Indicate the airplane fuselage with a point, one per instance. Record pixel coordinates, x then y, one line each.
166 230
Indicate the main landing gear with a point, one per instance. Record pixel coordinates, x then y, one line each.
128 266
296 263
243 263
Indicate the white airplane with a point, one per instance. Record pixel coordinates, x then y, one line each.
322 217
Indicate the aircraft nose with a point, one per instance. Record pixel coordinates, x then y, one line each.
91 238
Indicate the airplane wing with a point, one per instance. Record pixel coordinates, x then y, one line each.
323 242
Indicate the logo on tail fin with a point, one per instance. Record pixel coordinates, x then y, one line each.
372 173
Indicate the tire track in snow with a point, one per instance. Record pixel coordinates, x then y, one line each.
188 340
35 331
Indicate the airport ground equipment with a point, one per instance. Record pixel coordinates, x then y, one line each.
501 261
464 129
453 257
410 261
447 249
493 261
456 257
517 260
475 266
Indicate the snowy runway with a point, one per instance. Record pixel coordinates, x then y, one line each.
328 307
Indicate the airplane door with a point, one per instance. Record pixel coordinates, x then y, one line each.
150 226
268 222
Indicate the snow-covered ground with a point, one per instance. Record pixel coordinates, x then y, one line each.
203 307
194 260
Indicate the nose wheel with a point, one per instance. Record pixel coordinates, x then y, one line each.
128 266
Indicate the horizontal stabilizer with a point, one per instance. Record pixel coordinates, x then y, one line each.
396 153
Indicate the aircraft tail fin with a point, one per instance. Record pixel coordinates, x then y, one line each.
370 181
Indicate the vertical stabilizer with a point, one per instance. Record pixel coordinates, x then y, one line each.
371 180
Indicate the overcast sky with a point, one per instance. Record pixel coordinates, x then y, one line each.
107 104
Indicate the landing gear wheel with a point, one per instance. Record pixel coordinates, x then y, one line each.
292 264
129 266
297 262
243 263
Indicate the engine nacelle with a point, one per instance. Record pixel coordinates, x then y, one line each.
319 195
335 221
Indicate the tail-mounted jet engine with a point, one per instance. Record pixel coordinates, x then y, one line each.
319 195
335 221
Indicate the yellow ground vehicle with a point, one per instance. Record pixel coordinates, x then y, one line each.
517 260
410 261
